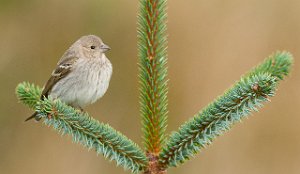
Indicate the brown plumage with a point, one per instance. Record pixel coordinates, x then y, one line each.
81 76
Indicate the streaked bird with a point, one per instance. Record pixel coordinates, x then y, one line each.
81 76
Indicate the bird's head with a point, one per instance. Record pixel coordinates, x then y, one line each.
91 46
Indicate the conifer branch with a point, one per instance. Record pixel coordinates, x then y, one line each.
29 94
245 96
238 102
152 46
84 129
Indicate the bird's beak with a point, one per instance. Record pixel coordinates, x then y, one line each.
105 48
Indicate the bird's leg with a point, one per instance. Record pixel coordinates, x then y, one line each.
49 116
78 108
81 109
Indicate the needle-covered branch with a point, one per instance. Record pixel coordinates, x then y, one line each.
152 46
238 102
84 129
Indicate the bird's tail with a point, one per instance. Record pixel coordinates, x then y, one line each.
34 115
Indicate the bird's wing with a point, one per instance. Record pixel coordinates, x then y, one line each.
63 68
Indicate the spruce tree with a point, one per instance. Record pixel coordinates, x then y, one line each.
160 150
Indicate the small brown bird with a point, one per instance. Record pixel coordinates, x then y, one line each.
82 74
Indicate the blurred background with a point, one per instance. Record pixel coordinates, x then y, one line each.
211 44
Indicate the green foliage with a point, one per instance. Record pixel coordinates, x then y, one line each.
238 102
84 129
29 94
152 46
245 96
278 65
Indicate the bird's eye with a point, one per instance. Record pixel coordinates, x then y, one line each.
93 47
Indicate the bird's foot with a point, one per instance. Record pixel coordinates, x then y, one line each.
81 110
49 116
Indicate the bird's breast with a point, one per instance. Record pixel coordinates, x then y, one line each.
88 81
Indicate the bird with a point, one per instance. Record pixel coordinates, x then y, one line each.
82 74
